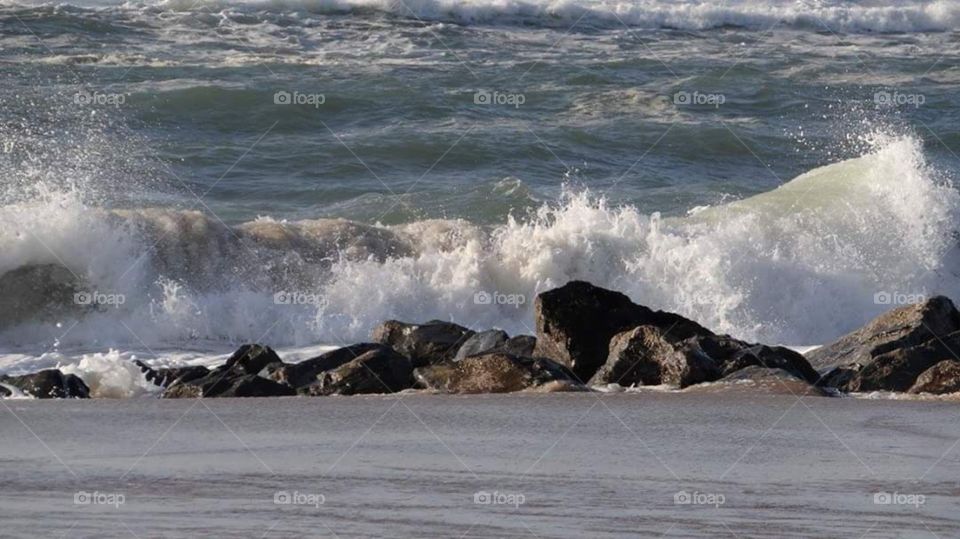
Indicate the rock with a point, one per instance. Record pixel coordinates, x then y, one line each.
903 327
576 322
942 378
297 375
5 392
252 385
482 342
380 370
770 381
894 370
495 372
642 356
165 377
252 358
49 384
424 344
770 357
520 345
237 377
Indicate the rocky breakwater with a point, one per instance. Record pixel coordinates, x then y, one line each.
586 337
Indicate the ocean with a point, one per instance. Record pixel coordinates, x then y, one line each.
200 174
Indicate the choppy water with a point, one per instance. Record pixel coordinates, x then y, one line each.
585 465
145 158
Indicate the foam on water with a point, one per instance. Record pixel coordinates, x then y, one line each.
798 265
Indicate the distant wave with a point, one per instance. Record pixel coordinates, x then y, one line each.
816 15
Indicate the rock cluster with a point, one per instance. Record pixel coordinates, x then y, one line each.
587 336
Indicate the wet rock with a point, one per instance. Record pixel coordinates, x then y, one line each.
643 356
770 381
5 392
49 384
576 322
495 372
482 342
297 375
770 357
235 378
520 345
942 378
252 385
894 370
380 370
903 327
424 344
165 377
251 358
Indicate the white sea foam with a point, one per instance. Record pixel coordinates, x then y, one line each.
798 265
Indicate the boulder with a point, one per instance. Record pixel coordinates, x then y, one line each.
165 377
482 342
942 378
252 385
251 358
495 372
297 375
5 391
424 344
237 377
49 384
771 381
896 369
643 356
380 370
576 322
520 345
903 327
770 357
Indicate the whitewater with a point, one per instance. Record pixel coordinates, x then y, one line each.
799 265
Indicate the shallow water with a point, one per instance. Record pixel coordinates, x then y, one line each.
410 465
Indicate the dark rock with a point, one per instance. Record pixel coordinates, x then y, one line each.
297 375
643 356
521 345
381 370
495 372
49 384
942 378
903 327
251 358
576 322
424 344
165 377
896 370
252 385
776 381
770 357
5 392
482 342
